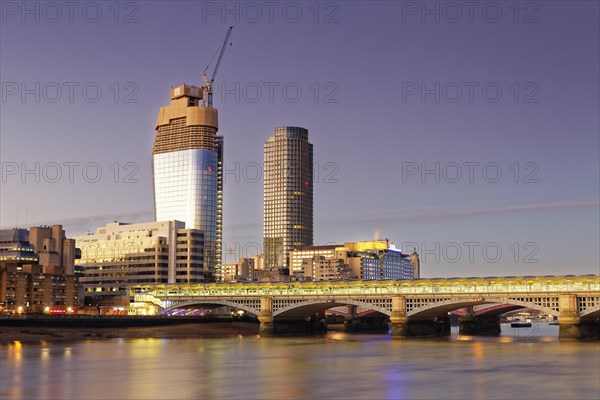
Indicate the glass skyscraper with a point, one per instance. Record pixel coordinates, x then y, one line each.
186 166
288 195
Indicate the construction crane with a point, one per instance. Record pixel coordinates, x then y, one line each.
207 89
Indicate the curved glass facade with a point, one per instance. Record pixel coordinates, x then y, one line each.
185 189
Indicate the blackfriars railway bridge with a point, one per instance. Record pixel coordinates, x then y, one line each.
414 307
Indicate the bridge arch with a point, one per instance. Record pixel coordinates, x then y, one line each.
592 312
313 306
432 310
219 302
496 309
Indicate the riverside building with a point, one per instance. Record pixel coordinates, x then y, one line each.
120 254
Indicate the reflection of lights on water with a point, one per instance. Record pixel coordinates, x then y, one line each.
15 351
506 339
478 350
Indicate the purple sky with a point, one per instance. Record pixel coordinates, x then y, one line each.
386 92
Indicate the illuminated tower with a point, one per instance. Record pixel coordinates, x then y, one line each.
186 166
288 195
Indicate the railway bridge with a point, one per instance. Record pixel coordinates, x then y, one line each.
414 307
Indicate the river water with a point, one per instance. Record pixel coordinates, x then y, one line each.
519 364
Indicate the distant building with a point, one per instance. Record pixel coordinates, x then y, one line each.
377 260
288 195
299 255
242 271
371 260
259 262
228 272
245 269
321 268
121 254
416 263
37 272
267 275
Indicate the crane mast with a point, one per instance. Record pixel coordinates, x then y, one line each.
207 89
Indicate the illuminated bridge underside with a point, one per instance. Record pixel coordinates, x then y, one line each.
567 297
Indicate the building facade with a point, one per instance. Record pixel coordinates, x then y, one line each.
288 195
241 271
377 260
299 256
122 254
187 162
370 260
321 268
37 271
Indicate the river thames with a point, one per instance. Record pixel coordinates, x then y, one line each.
519 364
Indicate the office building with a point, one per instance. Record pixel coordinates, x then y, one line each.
288 195
187 170
121 254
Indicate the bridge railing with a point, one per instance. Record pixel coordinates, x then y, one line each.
581 284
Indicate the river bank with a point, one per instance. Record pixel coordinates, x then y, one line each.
210 330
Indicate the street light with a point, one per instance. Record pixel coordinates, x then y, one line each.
20 310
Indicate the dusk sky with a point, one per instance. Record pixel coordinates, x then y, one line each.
501 98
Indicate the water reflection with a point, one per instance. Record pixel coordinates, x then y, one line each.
337 366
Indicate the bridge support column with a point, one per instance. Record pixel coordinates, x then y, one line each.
568 317
265 316
398 319
351 320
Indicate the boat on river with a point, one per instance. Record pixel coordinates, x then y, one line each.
520 324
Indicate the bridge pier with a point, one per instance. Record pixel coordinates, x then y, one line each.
351 319
398 319
300 326
265 317
403 326
439 326
568 318
571 325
